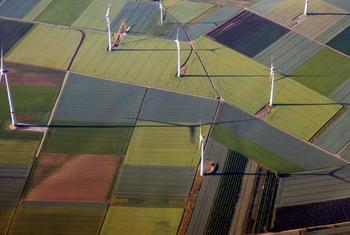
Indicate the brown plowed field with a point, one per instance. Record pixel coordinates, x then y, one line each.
59 177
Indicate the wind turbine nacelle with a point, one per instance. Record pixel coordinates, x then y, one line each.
4 70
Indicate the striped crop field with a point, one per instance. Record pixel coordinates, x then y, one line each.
17 8
142 220
209 20
63 12
37 9
139 60
324 72
47 218
289 52
340 42
34 96
87 99
70 137
12 180
255 33
176 109
323 16
47 46
246 78
153 186
236 3
12 32
247 135
91 16
157 144
185 11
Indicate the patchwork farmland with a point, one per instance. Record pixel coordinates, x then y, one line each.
240 128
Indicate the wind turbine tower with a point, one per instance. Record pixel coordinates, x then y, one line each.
161 11
272 78
178 54
201 146
3 72
109 28
306 8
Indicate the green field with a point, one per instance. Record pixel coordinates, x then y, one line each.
313 26
82 138
37 9
140 60
93 16
301 110
255 152
324 72
63 12
156 144
32 105
33 220
139 221
47 46
186 11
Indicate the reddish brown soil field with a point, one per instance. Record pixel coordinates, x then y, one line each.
59 177
28 75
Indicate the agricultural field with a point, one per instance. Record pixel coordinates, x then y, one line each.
142 220
63 12
186 11
12 32
340 42
210 20
289 52
251 28
138 61
93 16
299 110
324 79
116 147
80 218
16 8
247 135
59 177
323 16
43 47
34 90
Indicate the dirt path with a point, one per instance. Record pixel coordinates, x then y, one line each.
242 206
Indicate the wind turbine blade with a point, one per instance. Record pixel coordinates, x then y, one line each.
108 10
2 59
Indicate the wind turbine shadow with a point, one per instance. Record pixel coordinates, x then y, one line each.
312 104
330 14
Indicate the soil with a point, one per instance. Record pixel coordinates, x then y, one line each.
28 75
62 177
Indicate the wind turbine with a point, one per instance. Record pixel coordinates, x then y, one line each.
178 54
306 8
201 146
272 78
161 11
109 28
3 72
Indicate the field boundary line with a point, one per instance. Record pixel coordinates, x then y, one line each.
117 175
306 36
183 226
142 85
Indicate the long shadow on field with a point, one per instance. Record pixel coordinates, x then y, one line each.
312 104
162 124
329 14
332 173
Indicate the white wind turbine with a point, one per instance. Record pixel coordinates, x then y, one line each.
161 11
109 28
272 78
178 54
306 8
201 146
3 72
